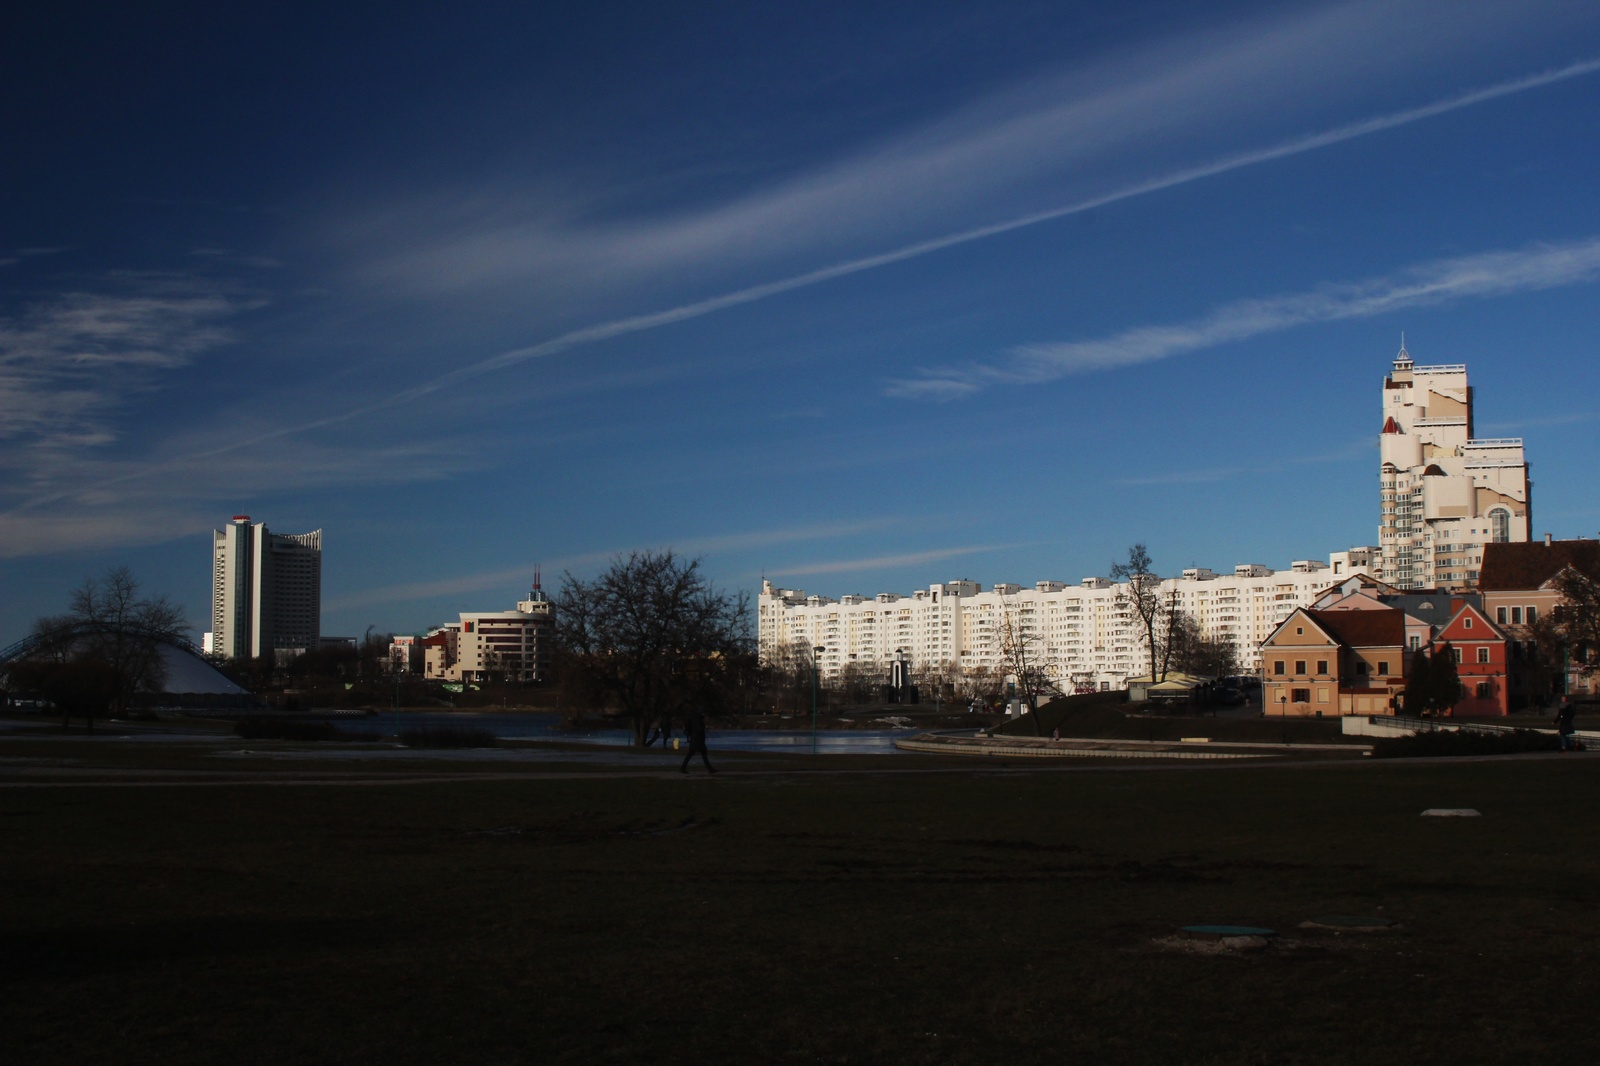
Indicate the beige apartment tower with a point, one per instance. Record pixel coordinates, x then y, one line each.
266 591
1444 493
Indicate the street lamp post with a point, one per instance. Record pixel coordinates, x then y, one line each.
816 655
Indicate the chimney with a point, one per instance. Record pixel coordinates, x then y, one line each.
1547 540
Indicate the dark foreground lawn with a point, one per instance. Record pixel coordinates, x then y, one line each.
982 915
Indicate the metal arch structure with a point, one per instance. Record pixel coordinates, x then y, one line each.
69 634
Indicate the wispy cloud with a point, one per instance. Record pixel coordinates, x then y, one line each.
19 255
885 562
1116 120
620 327
1217 78
67 362
1211 475
1540 266
511 576
92 505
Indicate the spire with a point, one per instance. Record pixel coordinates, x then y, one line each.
1402 361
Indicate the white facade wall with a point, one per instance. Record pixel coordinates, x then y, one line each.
266 590
1084 636
1443 493
513 645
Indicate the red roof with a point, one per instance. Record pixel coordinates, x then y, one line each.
1364 629
1530 565
1390 426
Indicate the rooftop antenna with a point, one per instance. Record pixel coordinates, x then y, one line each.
537 593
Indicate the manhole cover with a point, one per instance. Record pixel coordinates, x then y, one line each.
1228 930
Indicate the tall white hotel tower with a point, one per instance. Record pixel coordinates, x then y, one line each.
1444 493
266 590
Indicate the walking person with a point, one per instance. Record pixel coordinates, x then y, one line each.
695 727
661 727
1565 727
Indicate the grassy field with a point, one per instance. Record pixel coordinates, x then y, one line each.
890 910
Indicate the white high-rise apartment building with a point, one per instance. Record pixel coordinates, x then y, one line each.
1085 635
1444 493
266 590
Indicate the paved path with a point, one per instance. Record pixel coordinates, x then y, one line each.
36 777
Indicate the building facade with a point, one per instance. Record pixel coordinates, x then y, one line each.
266 590
1335 662
1443 492
1084 636
1519 588
1480 651
494 645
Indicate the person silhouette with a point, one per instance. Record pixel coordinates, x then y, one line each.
695 727
1565 727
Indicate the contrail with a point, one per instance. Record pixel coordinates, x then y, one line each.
656 319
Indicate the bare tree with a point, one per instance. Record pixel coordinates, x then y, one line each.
983 684
786 674
654 636
1143 596
1577 619
106 649
1019 651
1186 648
940 679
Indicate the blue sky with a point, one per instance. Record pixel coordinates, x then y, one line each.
856 296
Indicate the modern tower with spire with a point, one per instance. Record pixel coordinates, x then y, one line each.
1444 493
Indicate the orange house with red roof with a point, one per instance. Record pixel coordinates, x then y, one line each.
1481 661
1334 662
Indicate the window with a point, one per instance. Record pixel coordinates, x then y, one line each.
1516 616
1277 667
1457 653
1500 615
1532 614
1383 668
1416 642
1483 655
1299 666
1500 525
1485 689
1322 666
1300 695
1466 623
